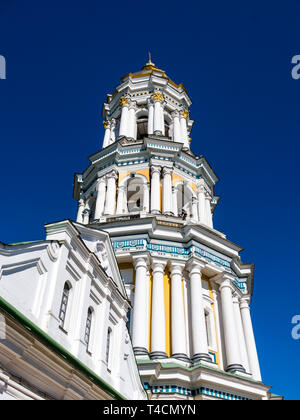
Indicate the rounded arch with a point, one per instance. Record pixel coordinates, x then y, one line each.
141 123
135 186
184 196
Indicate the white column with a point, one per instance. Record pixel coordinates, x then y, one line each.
100 200
122 200
150 117
107 127
177 129
208 210
199 336
112 131
230 334
167 191
240 332
194 209
201 204
86 216
250 340
146 197
174 201
79 218
179 350
124 123
140 312
158 322
158 127
110 204
184 134
217 319
155 189
132 121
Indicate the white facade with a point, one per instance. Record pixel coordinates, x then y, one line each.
190 323
33 280
143 249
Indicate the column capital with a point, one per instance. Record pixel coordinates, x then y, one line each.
184 114
177 267
124 101
224 280
175 114
112 174
155 169
195 266
106 124
158 96
101 180
158 265
244 302
140 261
167 171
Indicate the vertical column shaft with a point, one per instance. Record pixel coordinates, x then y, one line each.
110 204
167 191
100 200
179 350
79 218
199 336
146 197
124 123
158 325
155 189
230 334
174 201
208 210
122 200
107 127
177 129
250 340
240 332
150 117
140 312
184 132
201 204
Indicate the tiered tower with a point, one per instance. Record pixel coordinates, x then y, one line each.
190 321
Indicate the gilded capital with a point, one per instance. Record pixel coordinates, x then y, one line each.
123 101
185 113
158 96
106 124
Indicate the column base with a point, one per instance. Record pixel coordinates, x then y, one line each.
155 211
198 357
235 367
158 355
157 133
168 213
140 350
181 356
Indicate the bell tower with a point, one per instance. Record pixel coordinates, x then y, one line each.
190 320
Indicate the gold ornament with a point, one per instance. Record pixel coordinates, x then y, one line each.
123 101
105 124
185 113
158 96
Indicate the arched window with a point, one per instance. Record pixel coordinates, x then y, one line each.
135 195
64 303
184 201
88 327
108 349
142 127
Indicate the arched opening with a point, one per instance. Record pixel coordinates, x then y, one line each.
142 127
184 201
88 327
64 305
135 194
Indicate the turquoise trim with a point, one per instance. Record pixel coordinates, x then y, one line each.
171 389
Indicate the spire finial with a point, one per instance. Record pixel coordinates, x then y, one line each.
150 62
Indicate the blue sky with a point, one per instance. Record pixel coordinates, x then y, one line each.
234 58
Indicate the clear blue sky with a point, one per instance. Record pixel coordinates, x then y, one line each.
235 60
